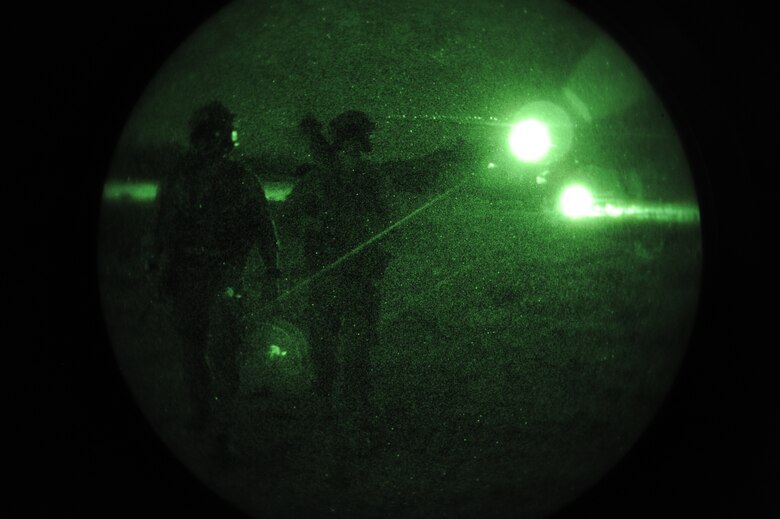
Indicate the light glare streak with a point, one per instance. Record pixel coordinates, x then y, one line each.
363 245
147 191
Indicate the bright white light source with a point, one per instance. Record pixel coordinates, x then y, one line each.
530 140
576 202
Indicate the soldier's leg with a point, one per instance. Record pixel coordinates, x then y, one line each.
361 337
191 317
227 335
324 324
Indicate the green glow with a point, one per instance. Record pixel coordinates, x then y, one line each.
277 191
135 191
604 82
147 191
275 351
577 104
490 303
680 213
530 140
577 202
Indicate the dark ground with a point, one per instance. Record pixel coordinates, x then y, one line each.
520 355
708 450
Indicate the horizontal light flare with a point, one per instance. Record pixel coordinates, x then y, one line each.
680 213
456 119
577 202
147 191
135 191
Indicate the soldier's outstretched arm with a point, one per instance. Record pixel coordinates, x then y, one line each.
428 173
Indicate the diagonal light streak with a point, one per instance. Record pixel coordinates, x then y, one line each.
363 245
465 120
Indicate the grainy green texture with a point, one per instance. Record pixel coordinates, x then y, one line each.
524 345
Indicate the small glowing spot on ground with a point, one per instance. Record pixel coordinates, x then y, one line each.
275 351
541 180
491 165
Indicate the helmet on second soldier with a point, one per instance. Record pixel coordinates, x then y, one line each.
352 126
211 129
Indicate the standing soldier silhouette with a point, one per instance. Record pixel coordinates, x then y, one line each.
211 214
339 206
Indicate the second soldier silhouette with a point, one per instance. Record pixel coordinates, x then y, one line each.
339 206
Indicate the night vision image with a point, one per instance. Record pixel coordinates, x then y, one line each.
399 259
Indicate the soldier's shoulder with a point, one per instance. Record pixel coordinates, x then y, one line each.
309 175
307 169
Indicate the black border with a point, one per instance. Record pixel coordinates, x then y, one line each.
707 452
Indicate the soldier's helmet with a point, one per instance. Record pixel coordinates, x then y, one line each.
354 126
211 128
